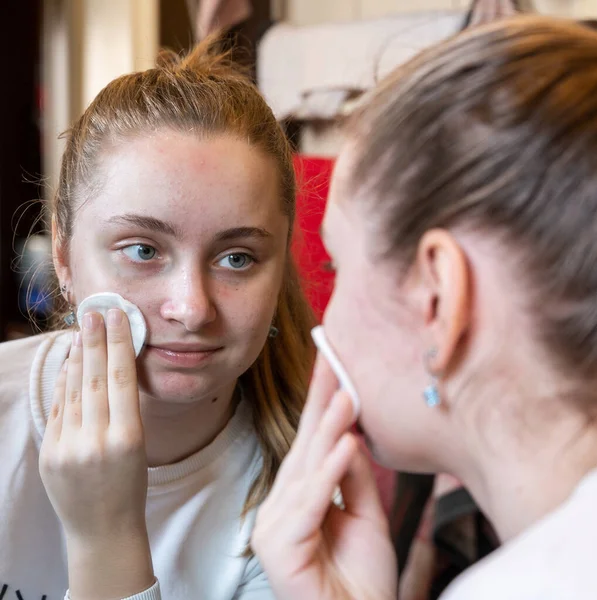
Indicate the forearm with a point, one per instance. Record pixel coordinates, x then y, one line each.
115 567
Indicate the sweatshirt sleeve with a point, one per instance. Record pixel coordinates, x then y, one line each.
153 593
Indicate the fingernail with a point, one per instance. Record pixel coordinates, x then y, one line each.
91 321
65 365
77 338
114 317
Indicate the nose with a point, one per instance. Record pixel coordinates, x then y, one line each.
190 301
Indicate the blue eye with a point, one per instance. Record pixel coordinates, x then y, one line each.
237 261
140 252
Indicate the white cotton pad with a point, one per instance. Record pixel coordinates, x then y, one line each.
103 302
346 384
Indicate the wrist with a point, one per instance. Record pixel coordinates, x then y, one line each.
114 566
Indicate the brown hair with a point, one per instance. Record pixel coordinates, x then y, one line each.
207 94
496 130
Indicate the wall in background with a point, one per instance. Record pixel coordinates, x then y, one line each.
86 44
311 12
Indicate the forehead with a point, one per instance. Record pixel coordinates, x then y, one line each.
342 170
339 196
189 179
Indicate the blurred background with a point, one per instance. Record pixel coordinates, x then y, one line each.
313 60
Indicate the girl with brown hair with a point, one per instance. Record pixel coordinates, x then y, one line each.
462 224
177 193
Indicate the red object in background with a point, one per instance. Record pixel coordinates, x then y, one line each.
313 184
313 178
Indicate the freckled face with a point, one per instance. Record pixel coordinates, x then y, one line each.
192 231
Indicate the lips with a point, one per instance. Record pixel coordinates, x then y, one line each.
184 355
182 348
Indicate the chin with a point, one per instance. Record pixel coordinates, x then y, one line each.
182 387
376 453
397 457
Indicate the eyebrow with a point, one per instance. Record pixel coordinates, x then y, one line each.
237 233
149 223
159 226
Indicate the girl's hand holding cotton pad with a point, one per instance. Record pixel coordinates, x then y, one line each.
103 302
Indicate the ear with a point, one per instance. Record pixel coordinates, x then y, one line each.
445 277
486 11
60 258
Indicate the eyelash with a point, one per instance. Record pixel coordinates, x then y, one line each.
250 259
138 245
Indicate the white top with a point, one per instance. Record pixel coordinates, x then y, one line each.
554 559
193 507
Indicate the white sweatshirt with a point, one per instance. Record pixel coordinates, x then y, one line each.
555 559
193 507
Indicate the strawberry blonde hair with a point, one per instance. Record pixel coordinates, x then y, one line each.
206 94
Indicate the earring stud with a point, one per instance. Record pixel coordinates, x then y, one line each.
431 391
70 318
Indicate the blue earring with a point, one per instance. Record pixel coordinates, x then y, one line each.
70 319
431 393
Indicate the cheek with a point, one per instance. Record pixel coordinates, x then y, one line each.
91 273
250 306
348 334
338 318
379 346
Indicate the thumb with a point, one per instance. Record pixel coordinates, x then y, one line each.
359 489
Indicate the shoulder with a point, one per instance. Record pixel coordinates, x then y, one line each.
28 369
551 560
17 358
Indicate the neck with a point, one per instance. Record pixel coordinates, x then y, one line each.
174 432
518 481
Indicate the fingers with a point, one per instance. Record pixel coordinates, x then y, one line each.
72 416
123 392
319 491
54 423
95 392
101 382
334 423
359 489
322 388
296 515
305 463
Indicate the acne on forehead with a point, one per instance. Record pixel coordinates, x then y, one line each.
167 175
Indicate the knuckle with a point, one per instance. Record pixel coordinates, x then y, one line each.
93 340
73 456
46 461
55 412
91 454
122 377
55 461
73 396
97 383
128 441
74 359
118 335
